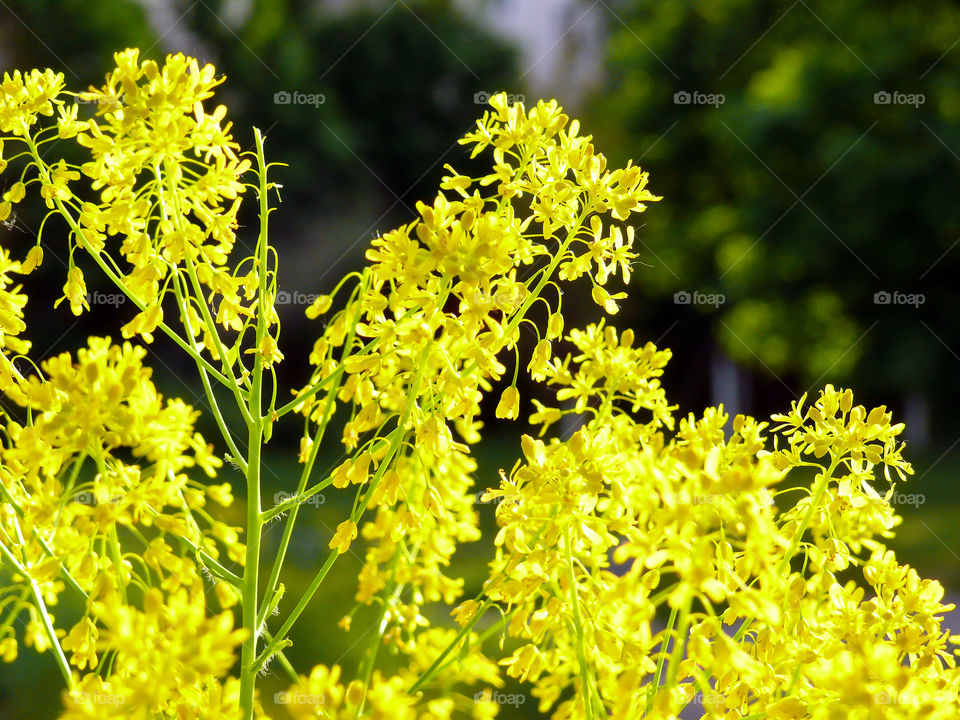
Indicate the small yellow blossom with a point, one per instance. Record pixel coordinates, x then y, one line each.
346 533
509 405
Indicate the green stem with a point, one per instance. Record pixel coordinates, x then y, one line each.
50 632
274 645
585 674
208 321
19 603
302 397
248 655
118 562
396 439
436 665
679 641
62 662
661 660
207 389
211 327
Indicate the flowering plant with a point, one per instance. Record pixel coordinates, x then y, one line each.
104 500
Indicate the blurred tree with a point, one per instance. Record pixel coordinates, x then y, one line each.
397 83
807 155
75 37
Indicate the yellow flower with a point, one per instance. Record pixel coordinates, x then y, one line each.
509 405
319 306
346 533
607 301
75 291
539 360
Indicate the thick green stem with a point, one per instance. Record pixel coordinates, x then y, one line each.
248 654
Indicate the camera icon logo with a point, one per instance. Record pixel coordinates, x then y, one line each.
681 97
281 97
481 98
881 297
881 98
681 298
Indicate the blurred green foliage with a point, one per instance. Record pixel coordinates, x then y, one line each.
75 37
398 88
799 196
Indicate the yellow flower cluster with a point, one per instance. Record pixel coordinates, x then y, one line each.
759 622
169 175
753 546
167 659
25 96
421 335
12 303
169 179
96 491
